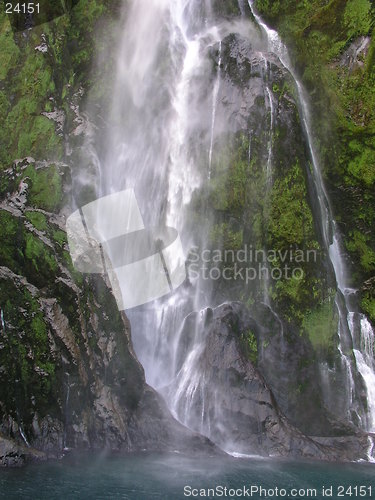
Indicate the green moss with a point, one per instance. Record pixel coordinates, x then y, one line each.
37 219
67 261
358 244
86 12
4 106
250 346
35 81
368 305
46 187
362 167
291 229
35 76
270 7
9 52
25 350
39 331
321 326
291 218
12 233
84 17
24 253
357 17
223 236
295 295
39 140
40 256
31 86
59 237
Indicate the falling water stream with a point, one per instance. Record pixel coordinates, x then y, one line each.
215 95
165 119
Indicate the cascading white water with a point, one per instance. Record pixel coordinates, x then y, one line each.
332 243
163 121
24 437
268 174
370 452
164 116
270 152
270 139
365 363
215 95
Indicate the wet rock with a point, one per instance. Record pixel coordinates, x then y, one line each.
230 400
152 428
13 455
283 351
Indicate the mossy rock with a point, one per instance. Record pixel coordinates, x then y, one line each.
320 35
46 190
25 357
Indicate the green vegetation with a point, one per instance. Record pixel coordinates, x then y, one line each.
357 18
337 67
321 326
368 305
223 236
30 82
45 190
25 356
290 217
37 219
33 81
276 215
59 237
250 346
12 231
358 245
9 50
40 256
291 228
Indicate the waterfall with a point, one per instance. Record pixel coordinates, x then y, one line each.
370 452
24 438
271 110
215 95
2 320
249 150
66 412
166 113
164 120
268 174
364 356
269 159
331 238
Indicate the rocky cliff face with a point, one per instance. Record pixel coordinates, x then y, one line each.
68 374
262 198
